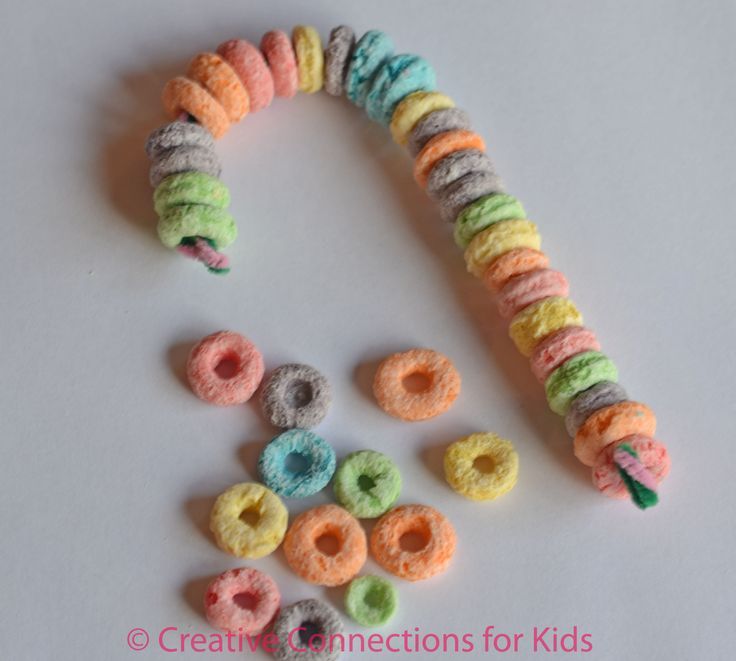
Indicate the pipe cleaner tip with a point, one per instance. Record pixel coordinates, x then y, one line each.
203 250
639 482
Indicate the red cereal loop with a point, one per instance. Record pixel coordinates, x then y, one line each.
213 354
242 601
279 54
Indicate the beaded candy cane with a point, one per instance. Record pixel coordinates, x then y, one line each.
612 435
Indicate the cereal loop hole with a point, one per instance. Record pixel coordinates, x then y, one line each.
413 541
250 516
327 544
366 482
296 463
245 600
416 382
227 366
307 631
298 394
484 464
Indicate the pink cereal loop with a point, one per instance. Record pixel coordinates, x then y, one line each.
279 54
252 69
209 354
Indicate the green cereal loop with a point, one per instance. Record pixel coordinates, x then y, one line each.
483 213
188 220
367 483
371 600
190 188
575 375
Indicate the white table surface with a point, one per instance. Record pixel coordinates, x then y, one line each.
613 121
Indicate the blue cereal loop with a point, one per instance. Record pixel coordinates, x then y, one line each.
371 51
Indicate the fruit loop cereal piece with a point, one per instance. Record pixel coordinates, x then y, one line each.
222 82
540 319
588 402
496 240
181 95
178 134
483 213
440 146
296 395
398 76
308 630
434 123
371 600
242 601
310 60
576 375
190 188
248 520
367 483
609 425
468 189
481 466
216 353
196 220
412 108
186 158
440 388
249 64
279 54
297 464
337 54
516 261
523 290
371 51
325 546
652 454
556 348
455 166
413 542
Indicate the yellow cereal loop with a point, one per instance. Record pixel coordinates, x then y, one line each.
310 58
412 108
481 466
540 319
248 520
498 239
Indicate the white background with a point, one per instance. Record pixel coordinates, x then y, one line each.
613 121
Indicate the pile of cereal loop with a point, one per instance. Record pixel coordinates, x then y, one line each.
612 435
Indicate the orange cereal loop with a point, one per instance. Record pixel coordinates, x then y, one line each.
222 82
512 263
183 95
413 542
440 146
326 546
437 387
611 424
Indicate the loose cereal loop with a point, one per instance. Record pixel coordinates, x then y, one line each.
326 546
371 600
222 82
611 424
516 261
481 466
183 95
440 146
219 351
367 483
651 453
413 542
442 387
309 630
242 601
248 520
247 61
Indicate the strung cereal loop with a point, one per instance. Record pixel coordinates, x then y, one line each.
502 247
220 80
